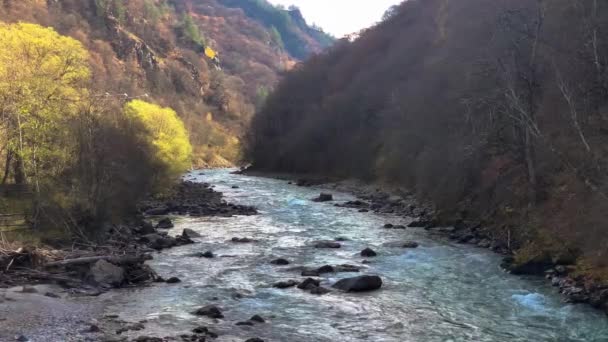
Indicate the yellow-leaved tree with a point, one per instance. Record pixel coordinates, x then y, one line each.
165 132
42 81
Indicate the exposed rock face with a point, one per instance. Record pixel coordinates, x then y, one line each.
359 284
105 273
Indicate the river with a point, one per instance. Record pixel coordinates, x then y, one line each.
441 291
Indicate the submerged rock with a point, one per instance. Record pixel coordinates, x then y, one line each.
320 290
173 280
258 319
402 244
359 284
285 284
241 240
325 269
327 244
280 262
249 323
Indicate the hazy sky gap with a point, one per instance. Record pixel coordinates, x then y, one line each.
341 17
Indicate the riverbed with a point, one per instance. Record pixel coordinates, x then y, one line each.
440 291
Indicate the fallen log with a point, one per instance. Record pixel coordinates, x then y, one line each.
116 260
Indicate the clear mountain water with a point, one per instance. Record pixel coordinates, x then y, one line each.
438 292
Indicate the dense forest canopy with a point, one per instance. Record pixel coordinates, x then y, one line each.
105 101
494 110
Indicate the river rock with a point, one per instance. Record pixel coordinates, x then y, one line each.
208 255
422 224
146 228
346 268
285 284
327 244
368 253
249 323
325 269
158 242
257 318
389 226
534 265
310 273
165 223
173 280
324 197
210 311
320 290
309 284
402 244
359 284
280 262
105 273
191 233
241 240
157 211
148 339
255 339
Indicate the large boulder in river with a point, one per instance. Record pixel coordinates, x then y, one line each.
326 244
105 273
359 284
165 223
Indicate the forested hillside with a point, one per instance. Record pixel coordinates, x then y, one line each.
494 110
104 101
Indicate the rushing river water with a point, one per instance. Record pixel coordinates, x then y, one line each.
440 291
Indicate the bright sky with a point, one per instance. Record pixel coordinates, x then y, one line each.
341 17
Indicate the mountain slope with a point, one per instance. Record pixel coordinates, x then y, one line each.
154 48
495 111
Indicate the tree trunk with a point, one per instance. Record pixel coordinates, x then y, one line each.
529 155
18 172
7 166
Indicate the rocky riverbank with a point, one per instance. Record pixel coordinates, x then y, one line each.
576 286
40 281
